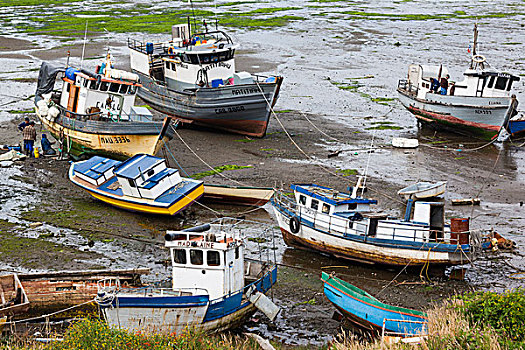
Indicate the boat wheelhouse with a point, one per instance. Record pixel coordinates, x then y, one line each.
477 104
142 183
193 78
213 287
343 225
93 113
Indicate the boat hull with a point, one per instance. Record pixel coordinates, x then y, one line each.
370 314
516 127
240 109
251 196
363 250
83 139
482 117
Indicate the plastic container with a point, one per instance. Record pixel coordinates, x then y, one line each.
37 152
215 83
71 72
459 230
149 48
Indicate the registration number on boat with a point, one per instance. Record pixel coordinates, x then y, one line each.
229 109
246 91
482 111
114 139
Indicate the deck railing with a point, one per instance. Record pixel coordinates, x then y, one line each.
404 84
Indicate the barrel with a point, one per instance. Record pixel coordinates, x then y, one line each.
459 230
149 48
71 72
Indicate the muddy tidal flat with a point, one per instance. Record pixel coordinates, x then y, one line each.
341 61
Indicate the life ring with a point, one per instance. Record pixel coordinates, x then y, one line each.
479 58
295 225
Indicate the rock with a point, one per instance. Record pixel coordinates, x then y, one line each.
35 224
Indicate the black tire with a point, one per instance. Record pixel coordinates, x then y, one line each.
295 224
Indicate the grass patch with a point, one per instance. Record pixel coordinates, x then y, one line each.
384 127
347 172
21 111
219 169
421 17
257 239
284 111
244 140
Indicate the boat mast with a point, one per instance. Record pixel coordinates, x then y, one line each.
474 53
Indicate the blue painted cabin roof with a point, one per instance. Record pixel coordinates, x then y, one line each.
95 166
303 188
130 168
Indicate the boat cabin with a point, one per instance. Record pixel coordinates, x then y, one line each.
189 62
146 176
211 260
326 200
476 82
97 170
97 96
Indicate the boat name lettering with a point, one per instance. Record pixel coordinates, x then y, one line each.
229 109
217 65
494 103
195 244
246 91
503 75
482 111
114 139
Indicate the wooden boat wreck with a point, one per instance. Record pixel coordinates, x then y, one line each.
323 219
193 78
142 183
368 313
93 113
477 105
56 290
423 190
13 298
237 195
213 287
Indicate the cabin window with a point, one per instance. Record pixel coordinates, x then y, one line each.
67 87
491 82
213 258
104 86
302 199
114 87
123 88
185 58
501 83
510 85
173 67
204 58
179 256
315 204
352 206
167 65
237 253
150 172
196 257
223 56
86 83
131 183
93 85
132 89
326 208
214 58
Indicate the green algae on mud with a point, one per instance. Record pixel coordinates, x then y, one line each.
421 17
219 169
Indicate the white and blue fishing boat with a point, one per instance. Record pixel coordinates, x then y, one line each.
213 287
343 225
368 313
142 183
192 78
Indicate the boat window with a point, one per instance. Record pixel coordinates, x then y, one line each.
213 258
491 82
179 256
302 199
114 87
214 58
352 206
86 82
173 67
67 87
501 83
150 172
510 85
93 85
167 65
185 58
131 183
132 89
196 257
237 253
315 204
326 208
204 58
223 56
104 86
123 88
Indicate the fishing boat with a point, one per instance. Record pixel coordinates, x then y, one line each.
476 105
368 313
423 190
343 225
237 195
142 183
193 78
516 125
57 290
13 298
213 287
93 113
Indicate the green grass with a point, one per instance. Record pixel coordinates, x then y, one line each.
219 169
244 140
21 111
347 172
384 127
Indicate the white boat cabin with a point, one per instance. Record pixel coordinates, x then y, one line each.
99 96
189 62
476 82
146 176
211 260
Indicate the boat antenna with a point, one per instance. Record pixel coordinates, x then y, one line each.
193 13
84 45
